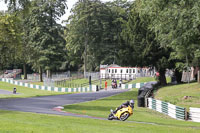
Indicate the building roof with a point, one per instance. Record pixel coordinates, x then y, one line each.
114 65
103 66
107 66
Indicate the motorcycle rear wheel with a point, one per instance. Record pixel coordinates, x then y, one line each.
124 116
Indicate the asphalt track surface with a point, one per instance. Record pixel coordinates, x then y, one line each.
47 104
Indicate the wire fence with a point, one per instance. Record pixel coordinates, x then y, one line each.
57 76
70 79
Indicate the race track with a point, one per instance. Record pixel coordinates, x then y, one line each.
46 104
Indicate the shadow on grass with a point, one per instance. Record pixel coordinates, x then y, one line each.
85 107
124 96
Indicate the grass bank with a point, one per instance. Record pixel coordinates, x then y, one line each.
175 94
142 80
147 79
19 122
101 108
24 91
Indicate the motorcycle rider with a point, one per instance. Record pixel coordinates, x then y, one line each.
126 104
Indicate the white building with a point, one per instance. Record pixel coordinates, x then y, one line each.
117 72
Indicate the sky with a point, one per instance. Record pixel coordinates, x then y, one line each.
70 4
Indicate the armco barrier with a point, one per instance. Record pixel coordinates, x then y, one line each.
194 114
167 108
49 88
130 86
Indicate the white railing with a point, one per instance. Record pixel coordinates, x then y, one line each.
194 114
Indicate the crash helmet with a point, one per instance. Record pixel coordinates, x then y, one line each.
132 102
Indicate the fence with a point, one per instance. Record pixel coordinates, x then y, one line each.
15 73
119 76
127 76
168 109
94 75
194 114
61 79
57 76
91 88
67 83
130 86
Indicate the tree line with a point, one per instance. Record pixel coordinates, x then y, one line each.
151 33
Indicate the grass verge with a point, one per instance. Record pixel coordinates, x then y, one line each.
147 79
24 91
142 80
100 108
175 94
19 122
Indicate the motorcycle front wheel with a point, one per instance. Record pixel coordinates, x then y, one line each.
110 117
124 116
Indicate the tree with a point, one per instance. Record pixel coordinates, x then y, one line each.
93 31
21 9
177 26
45 35
145 49
119 14
85 32
10 39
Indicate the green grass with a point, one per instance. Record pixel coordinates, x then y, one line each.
101 108
147 79
24 91
175 94
18 122
142 80
37 83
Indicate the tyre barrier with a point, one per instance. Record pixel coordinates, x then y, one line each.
169 109
141 102
144 92
194 114
91 88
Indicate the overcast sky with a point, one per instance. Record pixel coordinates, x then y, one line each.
70 3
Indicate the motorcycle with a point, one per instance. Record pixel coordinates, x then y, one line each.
114 85
121 114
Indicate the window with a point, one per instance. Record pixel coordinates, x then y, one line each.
115 70
133 70
126 70
130 70
121 70
112 70
109 70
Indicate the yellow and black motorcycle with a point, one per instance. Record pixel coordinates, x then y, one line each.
121 114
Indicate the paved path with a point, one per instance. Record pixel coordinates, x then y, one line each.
45 104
